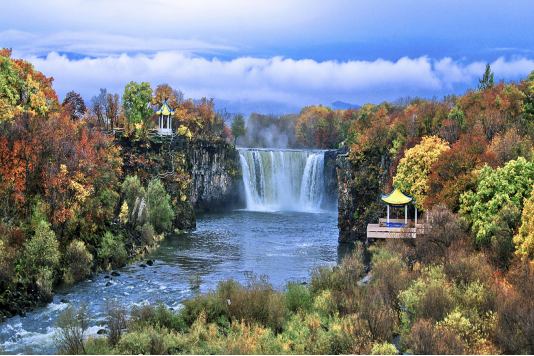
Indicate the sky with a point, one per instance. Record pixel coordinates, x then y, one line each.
273 56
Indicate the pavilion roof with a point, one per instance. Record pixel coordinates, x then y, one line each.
396 197
165 110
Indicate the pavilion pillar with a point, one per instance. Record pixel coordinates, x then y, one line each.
406 214
416 215
388 213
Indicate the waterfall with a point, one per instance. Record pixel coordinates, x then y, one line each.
283 179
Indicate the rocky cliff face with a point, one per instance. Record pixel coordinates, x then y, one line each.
345 203
330 179
215 175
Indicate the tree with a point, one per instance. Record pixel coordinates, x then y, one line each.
136 100
160 213
495 189
524 239
487 79
165 92
238 127
414 168
99 104
74 105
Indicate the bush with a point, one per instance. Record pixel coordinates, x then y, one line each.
71 327
113 251
7 258
158 316
79 262
298 297
160 213
429 297
148 233
117 322
384 348
148 341
425 338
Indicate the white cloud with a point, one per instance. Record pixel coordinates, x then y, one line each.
290 82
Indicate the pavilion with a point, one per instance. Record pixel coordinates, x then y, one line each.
165 119
395 228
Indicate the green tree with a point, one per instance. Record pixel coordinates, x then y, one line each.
414 168
136 102
487 79
495 190
160 212
238 127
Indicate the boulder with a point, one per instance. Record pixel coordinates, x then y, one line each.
115 274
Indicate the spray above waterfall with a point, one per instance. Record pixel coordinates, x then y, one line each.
283 179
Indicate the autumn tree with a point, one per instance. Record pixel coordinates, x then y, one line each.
136 100
23 89
453 173
414 168
165 92
524 239
74 105
238 127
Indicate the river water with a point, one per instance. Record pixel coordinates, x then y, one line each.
283 235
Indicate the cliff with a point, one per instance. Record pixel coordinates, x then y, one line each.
345 203
215 176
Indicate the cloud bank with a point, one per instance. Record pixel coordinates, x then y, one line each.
294 83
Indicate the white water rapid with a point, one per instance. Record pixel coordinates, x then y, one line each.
283 179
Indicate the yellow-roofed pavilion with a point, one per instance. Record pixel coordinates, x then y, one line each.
165 119
391 228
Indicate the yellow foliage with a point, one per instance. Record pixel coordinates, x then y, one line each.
524 240
414 168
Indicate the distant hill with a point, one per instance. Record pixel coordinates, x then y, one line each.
344 106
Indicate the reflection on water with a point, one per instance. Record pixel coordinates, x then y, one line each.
285 246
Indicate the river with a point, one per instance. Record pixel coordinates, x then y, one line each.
281 244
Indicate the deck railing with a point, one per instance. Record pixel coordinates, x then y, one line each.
396 228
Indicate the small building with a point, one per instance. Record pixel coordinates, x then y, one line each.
395 228
165 119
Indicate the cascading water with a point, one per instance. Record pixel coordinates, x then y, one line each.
283 179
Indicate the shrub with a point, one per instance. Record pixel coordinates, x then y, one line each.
158 316
514 330
379 316
79 262
425 338
148 341
113 251
117 322
429 297
71 327
384 348
298 297
148 233
160 213
7 257
442 231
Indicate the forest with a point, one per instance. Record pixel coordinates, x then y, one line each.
465 287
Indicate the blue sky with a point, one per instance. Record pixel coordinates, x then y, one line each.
277 56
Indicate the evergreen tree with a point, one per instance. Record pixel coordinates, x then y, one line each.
487 80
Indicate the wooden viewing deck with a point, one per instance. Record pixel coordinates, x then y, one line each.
395 229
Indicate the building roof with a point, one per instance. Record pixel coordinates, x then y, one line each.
165 109
396 197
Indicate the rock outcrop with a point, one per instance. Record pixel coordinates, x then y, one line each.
345 203
216 181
